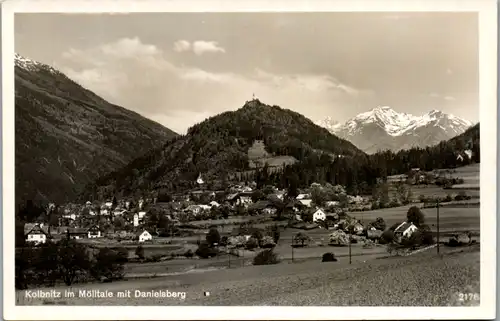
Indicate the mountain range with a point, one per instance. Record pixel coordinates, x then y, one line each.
66 136
383 128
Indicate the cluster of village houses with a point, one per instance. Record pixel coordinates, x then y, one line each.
240 196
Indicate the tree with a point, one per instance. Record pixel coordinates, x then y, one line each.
318 196
302 238
379 224
275 233
381 194
47 263
404 193
109 264
139 251
292 185
252 243
415 216
257 234
257 195
73 260
213 237
119 223
387 237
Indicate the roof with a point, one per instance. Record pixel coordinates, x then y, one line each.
139 233
403 227
232 196
260 205
35 229
78 230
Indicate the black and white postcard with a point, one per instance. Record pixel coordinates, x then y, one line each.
249 159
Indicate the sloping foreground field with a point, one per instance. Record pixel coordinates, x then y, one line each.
424 279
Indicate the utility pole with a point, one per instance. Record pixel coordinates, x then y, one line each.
437 210
292 248
350 239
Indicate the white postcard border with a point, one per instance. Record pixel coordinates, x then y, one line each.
487 10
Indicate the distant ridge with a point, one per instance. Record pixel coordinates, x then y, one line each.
67 136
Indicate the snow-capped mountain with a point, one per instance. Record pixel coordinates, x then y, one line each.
329 123
32 65
384 128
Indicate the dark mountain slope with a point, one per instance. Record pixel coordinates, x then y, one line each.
219 147
66 136
461 150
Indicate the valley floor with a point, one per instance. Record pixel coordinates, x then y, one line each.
423 279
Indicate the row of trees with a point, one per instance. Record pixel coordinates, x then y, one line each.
66 261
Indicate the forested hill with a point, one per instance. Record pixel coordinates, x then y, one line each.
443 155
66 136
219 146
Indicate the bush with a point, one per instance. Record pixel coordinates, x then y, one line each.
387 237
415 216
139 251
448 198
257 234
252 243
379 224
414 240
462 196
189 254
204 251
213 237
329 257
267 242
223 241
266 257
426 235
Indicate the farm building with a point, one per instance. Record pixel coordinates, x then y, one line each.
143 236
319 215
405 229
306 202
93 232
35 233
80 233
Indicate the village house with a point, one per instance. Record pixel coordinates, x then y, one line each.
319 215
143 236
70 216
303 196
197 209
81 233
214 203
405 229
120 212
35 233
332 203
243 198
306 202
93 232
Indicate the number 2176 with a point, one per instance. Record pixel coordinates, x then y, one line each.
468 296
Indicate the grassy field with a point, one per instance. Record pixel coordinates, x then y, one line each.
451 218
423 279
258 156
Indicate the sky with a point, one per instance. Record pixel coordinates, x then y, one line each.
180 68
